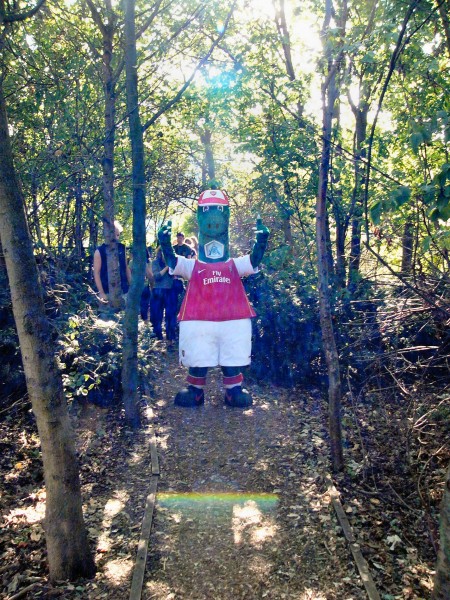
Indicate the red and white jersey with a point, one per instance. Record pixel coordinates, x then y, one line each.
215 291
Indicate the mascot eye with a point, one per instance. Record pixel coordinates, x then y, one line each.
220 208
205 208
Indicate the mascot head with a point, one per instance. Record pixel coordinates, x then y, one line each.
213 215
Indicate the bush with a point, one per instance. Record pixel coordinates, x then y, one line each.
90 358
286 332
12 378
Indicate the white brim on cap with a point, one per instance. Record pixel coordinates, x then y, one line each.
213 197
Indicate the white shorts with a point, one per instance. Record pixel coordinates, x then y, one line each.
212 343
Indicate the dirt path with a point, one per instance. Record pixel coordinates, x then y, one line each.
241 511
242 508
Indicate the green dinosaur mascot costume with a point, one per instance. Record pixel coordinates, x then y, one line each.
215 325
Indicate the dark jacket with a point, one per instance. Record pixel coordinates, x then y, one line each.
184 250
122 268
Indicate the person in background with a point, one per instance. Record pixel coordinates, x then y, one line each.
181 248
194 244
100 267
148 286
163 302
190 242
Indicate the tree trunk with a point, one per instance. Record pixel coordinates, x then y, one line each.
330 265
209 156
64 225
92 227
358 194
336 199
112 254
442 579
67 544
109 84
78 227
329 95
355 247
130 364
283 31
407 248
285 215
340 253
444 12
287 230
34 191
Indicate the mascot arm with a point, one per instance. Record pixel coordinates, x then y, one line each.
164 237
262 235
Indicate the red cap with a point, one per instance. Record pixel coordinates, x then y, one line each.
213 197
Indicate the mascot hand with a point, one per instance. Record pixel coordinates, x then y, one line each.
164 235
262 232
262 235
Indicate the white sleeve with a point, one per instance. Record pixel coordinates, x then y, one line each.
244 266
183 268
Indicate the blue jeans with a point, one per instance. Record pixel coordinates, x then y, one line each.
145 302
163 303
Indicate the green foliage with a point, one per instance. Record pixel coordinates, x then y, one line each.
436 195
287 339
90 358
421 135
376 210
12 379
397 197
423 132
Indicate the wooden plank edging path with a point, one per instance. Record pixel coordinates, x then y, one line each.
141 556
360 561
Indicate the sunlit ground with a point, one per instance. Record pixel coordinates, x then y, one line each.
250 516
29 516
118 570
112 508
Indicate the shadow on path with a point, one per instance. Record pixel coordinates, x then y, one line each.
242 510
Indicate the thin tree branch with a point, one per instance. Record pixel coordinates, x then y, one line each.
400 46
149 20
14 18
97 18
202 62
320 137
445 308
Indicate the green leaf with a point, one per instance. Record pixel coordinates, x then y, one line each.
426 134
400 195
444 174
434 214
444 213
433 66
375 212
442 114
446 169
444 240
368 58
429 193
416 139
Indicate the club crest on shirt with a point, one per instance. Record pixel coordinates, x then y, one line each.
214 249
